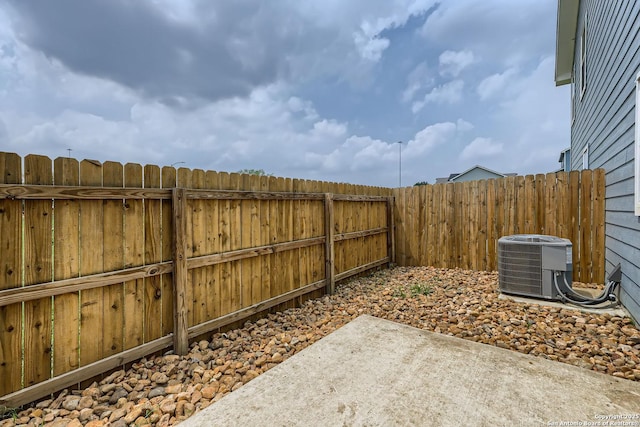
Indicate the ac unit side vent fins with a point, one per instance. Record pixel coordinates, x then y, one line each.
527 262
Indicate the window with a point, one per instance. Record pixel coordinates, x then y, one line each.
583 58
636 178
585 157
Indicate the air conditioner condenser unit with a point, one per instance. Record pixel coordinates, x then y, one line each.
527 264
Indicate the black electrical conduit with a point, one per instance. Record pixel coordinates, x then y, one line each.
567 294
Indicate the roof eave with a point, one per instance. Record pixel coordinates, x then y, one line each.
565 39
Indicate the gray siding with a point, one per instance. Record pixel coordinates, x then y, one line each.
604 119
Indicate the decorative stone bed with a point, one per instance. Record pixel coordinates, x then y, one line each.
165 390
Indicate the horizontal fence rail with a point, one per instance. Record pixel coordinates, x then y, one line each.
458 224
104 263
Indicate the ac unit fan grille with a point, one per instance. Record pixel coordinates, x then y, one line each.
520 268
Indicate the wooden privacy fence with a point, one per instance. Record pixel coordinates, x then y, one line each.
459 224
102 264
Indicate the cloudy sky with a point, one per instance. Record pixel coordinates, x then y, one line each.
315 89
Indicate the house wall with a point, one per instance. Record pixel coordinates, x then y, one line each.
476 174
604 120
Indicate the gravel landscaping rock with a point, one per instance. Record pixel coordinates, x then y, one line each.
165 390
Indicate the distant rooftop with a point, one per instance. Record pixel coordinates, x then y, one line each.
475 173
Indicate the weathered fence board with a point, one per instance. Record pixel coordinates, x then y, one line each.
134 256
10 277
212 246
463 221
37 268
586 218
197 233
597 227
66 265
152 255
168 181
113 310
91 262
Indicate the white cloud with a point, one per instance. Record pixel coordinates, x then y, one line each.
535 117
494 84
360 154
417 79
370 48
430 137
497 31
355 154
452 63
448 93
481 147
269 129
464 125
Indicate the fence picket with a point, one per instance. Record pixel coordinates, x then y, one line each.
290 260
265 233
474 236
492 234
134 256
113 210
586 211
510 205
530 207
482 226
598 227
152 255
540 204
450 217
400 216
520 204
551 209
91 262
11 277
225 242
66 264
37 268
168 181
198 234
252 183
562 209
212 246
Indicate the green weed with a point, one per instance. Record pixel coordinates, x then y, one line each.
420 289
399 293
8 413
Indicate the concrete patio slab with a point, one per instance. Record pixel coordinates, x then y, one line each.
374 372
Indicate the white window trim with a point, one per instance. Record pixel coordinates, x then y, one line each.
573 99
585 157
636 177
583 58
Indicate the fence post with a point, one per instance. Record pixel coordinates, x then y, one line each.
330 273
180 337
391 232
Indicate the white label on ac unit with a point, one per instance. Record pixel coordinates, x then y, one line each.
569 257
